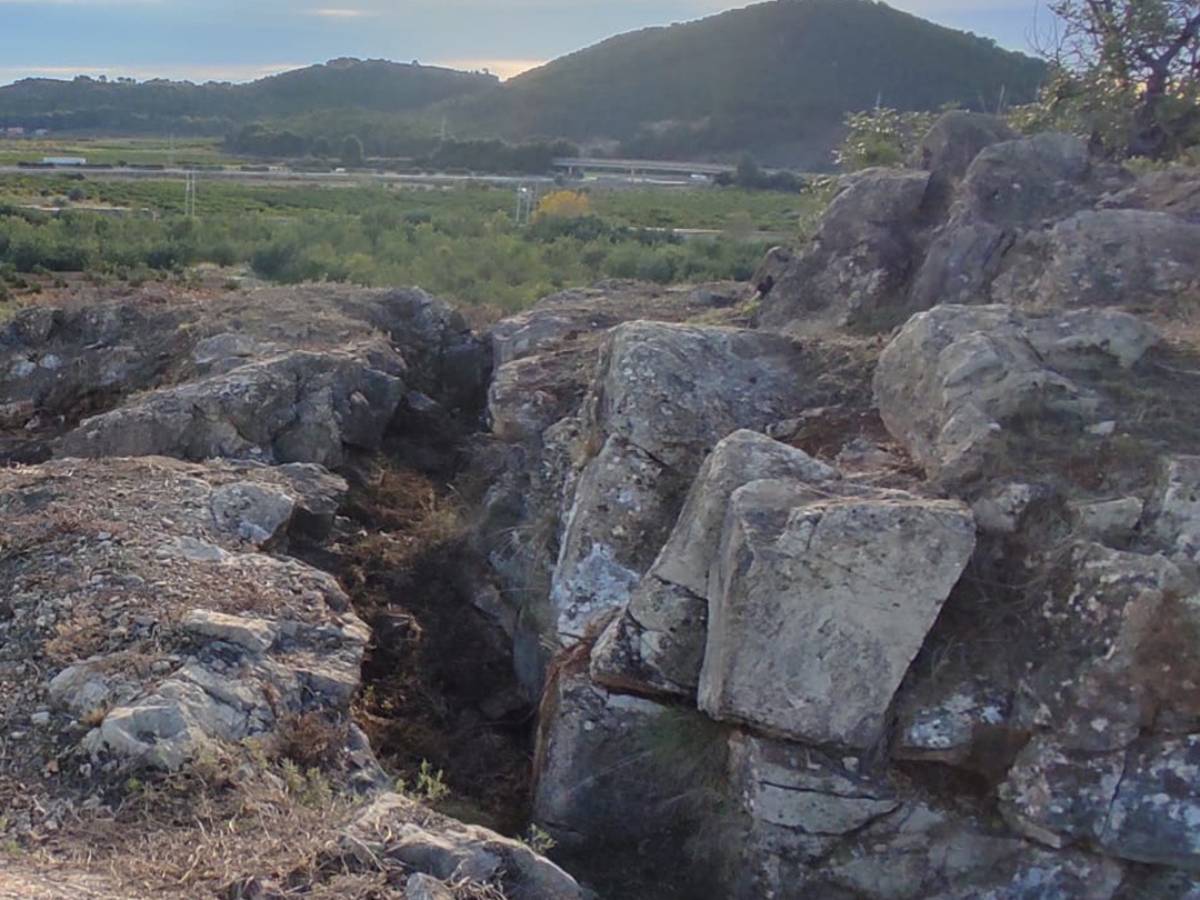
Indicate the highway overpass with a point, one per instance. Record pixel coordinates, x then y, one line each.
640 166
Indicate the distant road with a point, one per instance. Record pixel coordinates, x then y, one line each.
613 175
657 166
279 176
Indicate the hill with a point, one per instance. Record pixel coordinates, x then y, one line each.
775 79
159 106
774 74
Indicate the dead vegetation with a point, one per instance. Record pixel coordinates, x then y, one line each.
433 660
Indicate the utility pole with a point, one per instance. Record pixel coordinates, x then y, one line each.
526 198
189 195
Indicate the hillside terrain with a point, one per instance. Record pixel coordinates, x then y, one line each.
767 76
775 79
160 106
874 578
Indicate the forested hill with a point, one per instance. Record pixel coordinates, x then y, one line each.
775 79
778 72
217 108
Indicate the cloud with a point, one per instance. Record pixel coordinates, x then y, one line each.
339 12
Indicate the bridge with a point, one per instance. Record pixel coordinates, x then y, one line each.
641 166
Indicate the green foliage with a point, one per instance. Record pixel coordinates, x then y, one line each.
161 107
881 137
459 243
352 151
1125 75
430 787
751 79
538 840
309 787
751 177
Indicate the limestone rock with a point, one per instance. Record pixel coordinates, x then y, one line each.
855 272
1157 804
299 407
956 380
954 723
253 512
1010 191
1175 190
247 638
530 394
657 643
1129 258
595 771
1108 520
388 829
623 507
956 138
819 603
789 786
1098 636
674 391
1176 507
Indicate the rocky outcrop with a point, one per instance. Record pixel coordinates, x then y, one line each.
990 218
856 271
958 382
297 407
955 139
657 643
254 638
819 601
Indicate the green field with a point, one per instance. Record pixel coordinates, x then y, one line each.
458 242
111 151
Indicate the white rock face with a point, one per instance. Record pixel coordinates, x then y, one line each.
1177 503
818 603
622 509
657 644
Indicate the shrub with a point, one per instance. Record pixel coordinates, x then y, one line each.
881 137
563 205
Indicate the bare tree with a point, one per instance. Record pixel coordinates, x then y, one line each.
1146 50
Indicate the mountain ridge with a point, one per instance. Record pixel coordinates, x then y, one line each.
779 74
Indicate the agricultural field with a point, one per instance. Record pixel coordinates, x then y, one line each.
458 242
112 151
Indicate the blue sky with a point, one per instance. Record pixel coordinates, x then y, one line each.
230 40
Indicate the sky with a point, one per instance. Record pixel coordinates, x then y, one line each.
239 40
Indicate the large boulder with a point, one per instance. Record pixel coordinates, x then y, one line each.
956 382
297 407
663 396
956 138
656 645
596 775
819 601
1139 804
1175 190
622 511
1113 257
673 391
855 273
1009 189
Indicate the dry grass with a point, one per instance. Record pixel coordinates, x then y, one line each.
206 830
310 739
433 655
